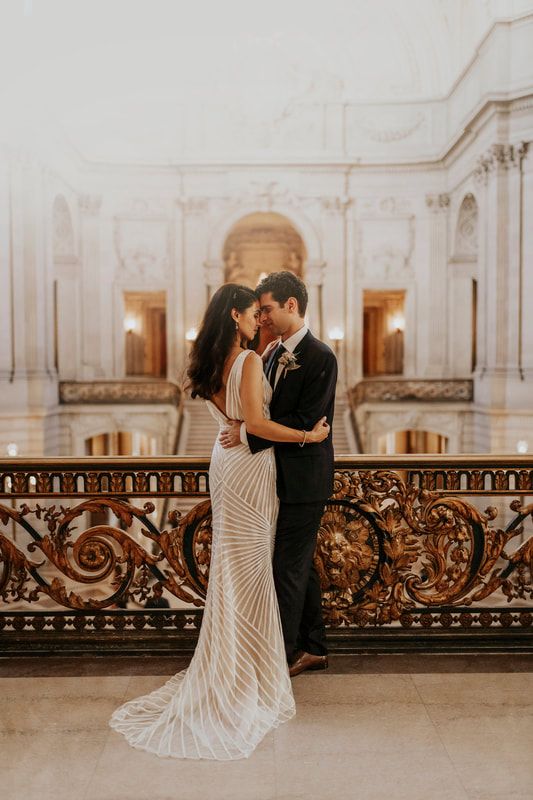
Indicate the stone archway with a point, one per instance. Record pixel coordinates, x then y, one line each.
294 229
260 243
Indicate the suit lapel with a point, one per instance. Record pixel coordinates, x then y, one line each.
300 354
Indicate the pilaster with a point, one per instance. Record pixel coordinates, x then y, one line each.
91 339
436 301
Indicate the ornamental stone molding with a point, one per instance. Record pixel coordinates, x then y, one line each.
499 156
315 272
394 205
385 244
195 206
120 392
335 205
63 232
466 236
90 204
386 391
374 125
144 208
142 248
214 273
438 203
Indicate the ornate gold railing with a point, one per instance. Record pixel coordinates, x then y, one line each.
413 552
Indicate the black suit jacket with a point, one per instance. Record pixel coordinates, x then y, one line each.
301 397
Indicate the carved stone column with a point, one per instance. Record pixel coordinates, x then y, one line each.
29 283
213 276
500 381
314 279
91 339
436 299
67 302
6 276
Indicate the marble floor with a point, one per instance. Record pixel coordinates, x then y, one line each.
372 728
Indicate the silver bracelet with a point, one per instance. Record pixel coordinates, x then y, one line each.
301 444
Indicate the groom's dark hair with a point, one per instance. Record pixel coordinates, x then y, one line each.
283 285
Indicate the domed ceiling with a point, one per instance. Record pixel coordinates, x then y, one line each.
136 80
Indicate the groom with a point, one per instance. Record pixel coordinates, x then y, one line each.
302 371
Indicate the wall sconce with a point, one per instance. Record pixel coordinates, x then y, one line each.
397 323
12 449
191 334
522 447
336 335
131 324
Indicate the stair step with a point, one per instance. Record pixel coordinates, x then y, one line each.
201 429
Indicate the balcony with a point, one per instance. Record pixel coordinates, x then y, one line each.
414 553
394 389
129 392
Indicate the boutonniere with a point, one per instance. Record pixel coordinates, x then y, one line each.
288 361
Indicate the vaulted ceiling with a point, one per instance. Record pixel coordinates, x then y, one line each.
119 76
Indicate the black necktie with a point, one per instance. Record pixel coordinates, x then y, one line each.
273 364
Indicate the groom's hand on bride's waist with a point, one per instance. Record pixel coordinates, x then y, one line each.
231 435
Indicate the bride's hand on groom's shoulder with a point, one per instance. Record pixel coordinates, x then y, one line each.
230 436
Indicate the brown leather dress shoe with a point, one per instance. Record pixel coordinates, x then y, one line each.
306 661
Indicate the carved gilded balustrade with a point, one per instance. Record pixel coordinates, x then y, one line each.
413 552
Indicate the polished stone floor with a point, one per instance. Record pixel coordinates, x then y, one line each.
372 728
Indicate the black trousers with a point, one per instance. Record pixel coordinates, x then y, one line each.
296 579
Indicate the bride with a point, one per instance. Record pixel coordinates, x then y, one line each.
237 686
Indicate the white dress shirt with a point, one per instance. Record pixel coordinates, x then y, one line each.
290 345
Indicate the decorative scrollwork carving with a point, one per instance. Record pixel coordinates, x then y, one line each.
393 546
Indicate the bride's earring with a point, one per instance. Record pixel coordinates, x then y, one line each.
236 325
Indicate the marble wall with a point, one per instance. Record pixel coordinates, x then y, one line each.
426 216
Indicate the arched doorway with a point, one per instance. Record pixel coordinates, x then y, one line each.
258 244
261 243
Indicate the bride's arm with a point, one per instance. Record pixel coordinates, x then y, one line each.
251 393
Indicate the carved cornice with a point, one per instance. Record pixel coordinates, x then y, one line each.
119 392
438 203
385 391
499 156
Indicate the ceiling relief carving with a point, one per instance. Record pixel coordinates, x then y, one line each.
385 126
348 78
142 249
262 243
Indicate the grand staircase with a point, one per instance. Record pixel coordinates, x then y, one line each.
200 429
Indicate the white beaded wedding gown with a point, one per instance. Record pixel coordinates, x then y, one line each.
237 686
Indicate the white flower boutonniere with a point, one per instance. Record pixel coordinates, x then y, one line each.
289 362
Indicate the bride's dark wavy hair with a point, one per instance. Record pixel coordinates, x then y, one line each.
215 339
